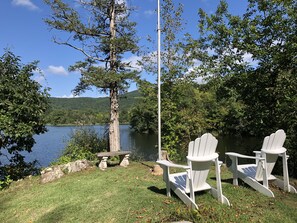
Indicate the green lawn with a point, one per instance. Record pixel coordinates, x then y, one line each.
133 194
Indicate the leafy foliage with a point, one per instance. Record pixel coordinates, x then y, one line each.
84 143
5 182
143 117
22 114
263 90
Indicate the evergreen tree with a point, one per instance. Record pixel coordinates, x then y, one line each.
102 32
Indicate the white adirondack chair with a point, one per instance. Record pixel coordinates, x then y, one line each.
260 171
201 154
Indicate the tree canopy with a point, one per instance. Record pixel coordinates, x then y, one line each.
248 66
22 112
262 88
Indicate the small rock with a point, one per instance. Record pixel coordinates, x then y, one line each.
157 170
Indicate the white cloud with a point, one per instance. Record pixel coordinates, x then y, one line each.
57 70
38 75
69 96
39 78
25 3
149 12
121 1
194 69
248 58
133 61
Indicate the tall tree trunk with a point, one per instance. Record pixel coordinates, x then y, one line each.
114 125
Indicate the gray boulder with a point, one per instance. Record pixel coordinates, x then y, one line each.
52 173
76 166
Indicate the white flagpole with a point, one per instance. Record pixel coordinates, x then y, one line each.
159 84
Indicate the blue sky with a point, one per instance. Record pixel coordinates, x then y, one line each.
24 32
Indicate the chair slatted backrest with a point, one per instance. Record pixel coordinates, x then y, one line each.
273 143
204 146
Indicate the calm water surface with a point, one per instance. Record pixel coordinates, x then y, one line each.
49 146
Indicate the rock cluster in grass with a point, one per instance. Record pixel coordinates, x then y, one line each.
55 172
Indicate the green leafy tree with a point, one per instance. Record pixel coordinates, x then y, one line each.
262 92
183 104
221 65
271 40
22 114
102 32
143 117
266 33
183 115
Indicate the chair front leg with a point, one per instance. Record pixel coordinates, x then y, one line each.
166 173
190 177
218 179
265 174
233 167
285 172
258 155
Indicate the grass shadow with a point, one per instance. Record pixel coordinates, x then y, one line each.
229 180
144 164
157 190
163 191
56 215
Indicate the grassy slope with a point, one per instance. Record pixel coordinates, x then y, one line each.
132 194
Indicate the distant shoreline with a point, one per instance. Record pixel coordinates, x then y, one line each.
76 125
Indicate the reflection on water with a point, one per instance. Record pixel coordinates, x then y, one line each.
49 146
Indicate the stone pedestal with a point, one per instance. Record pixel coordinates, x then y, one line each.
103 162
124 160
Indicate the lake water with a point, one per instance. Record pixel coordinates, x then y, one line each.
49 146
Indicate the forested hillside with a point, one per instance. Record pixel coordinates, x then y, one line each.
85 110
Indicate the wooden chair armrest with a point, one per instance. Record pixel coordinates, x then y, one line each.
170 164
287 156
244 156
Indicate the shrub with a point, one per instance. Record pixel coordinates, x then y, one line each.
5 182
84 143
